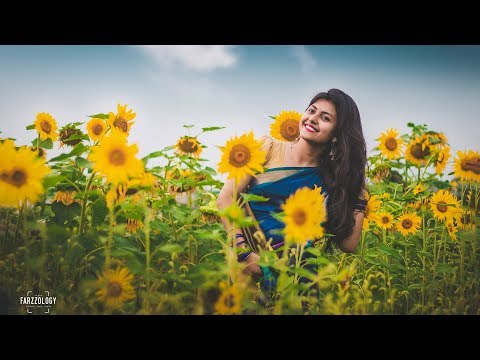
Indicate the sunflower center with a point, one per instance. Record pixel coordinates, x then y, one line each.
46 127
299 217
188 146
239 155
391 144
114 289
407 224
117 157
419 153
97 129
229 301
472 165
17 178
121 123
289 129
385 220
4 176
442 206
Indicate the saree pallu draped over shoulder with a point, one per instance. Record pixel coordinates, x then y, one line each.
276 184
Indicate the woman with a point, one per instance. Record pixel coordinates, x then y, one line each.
330 153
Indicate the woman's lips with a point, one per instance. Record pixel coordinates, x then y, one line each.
310 128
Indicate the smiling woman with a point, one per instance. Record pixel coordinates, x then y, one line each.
327 158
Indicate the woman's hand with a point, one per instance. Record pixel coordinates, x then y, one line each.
251 266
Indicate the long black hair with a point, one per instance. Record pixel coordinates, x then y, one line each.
344 176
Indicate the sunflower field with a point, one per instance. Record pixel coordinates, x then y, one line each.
97 230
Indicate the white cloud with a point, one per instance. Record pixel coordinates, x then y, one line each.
305 59
193 57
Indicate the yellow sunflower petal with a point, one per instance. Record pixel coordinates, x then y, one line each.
286 126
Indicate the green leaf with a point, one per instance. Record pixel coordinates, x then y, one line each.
410 124
77 150
253 197
52 179
83 163
169 248
445 268
213 128
64 214
77 137
30 127
100 116
152 156
272 117
99 211
387 250
188 126
46 144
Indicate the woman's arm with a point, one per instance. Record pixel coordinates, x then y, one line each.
225 199
350 243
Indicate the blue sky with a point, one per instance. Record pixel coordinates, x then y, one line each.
239 87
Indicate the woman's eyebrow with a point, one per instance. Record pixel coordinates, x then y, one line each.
324 112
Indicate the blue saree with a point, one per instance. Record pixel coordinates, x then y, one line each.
278 184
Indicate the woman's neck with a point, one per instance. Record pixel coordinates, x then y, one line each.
304 153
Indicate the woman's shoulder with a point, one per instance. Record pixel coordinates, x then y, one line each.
273 149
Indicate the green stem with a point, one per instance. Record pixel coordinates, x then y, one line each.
424 237
109 238
17 226
147 245
362 252
84 204
7 223
406 273
38 145
462 274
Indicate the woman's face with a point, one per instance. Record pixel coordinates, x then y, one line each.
318 122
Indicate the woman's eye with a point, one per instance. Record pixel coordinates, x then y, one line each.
325 118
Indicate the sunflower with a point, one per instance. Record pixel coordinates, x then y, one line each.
115 159
229 301
65 197
467 221
385 196
437 141
445 206
442 158
418 189
418 151
133 225
188 145
21 175
373 204
145 181
122 121
467 165
286 126
46 126
304 212
65 133
242 156
452 229
384 220
96 128
391 144
42 154
408 223
115 287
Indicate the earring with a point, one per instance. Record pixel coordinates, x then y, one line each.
332 151
332 154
